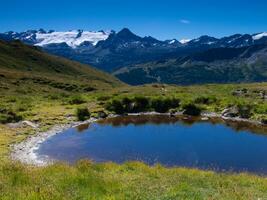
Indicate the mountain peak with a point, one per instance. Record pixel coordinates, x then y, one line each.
125 31
41 31
127 34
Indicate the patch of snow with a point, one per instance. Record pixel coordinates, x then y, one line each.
29 36
172 41
259 36
234 39
71 38
196 40
209 43
184 41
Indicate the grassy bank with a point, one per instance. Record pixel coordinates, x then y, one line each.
128 181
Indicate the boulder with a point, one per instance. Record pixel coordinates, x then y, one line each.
22 124
230 112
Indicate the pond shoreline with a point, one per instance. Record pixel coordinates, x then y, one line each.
25 151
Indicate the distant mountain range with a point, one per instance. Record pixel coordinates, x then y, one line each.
218 65
138 60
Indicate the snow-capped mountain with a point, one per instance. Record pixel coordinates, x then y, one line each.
233 41
259 36
125 38
184 41
72 38
111 50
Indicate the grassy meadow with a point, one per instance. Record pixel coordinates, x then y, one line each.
133 180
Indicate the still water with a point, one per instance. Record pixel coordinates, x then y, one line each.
164 140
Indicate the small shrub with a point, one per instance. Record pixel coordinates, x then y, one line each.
76 100
141 104
127 105
159 106
83 114
115 106
164 105
9 117
244 111
103 98
191 109
205 100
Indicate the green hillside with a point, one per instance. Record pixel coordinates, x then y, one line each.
20 64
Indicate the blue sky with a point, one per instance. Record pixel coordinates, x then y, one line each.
163 19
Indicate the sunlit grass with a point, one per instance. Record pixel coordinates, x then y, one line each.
131 180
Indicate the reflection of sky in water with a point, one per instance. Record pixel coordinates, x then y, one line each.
201 144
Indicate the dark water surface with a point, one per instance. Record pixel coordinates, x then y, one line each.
165 140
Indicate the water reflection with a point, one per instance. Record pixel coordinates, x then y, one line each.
138 120
83 127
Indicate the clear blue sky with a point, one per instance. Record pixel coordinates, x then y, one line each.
163 19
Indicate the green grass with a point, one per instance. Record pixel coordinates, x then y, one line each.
128 181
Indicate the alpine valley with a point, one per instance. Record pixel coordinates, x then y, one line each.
139 60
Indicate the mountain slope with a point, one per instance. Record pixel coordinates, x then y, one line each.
20 63
220 65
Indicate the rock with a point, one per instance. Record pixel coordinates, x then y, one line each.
15 125
31 124
102 114
69 115
204 118
230 112
22 124
172 113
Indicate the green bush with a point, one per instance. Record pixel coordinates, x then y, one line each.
127 105
205 100
142 104
244 110
191 109
115 106
164 105
9 117
77 99
82 113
